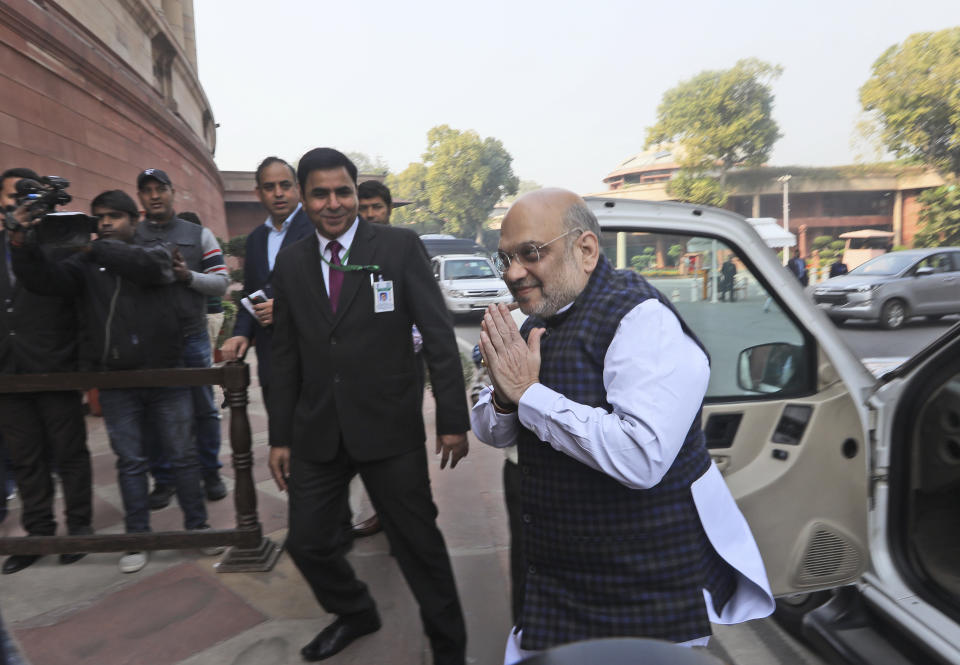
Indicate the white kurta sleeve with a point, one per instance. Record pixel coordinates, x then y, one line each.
496 429
655 378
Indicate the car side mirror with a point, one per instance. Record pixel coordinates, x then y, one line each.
770 368
923 270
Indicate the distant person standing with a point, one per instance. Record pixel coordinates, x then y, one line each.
798 267
200 273
728 273
838 268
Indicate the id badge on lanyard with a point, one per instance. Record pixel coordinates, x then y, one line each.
382 295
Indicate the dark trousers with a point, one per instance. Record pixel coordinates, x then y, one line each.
44 432
511 495
319 539
206 419
125 411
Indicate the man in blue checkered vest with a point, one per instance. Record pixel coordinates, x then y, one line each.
628 527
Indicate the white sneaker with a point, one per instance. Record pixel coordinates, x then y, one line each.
131 562
211 551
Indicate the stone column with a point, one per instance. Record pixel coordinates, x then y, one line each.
898 218
173 12
189 32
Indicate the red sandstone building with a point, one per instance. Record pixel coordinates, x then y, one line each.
96 91
822 201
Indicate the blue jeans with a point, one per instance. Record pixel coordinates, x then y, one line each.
206 416
170 411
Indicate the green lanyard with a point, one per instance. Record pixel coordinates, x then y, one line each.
349 268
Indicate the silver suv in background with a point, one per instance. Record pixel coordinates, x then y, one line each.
893 287
469 282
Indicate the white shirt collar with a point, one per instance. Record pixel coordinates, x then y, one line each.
345 239
286 222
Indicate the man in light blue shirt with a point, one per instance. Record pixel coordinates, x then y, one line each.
285 224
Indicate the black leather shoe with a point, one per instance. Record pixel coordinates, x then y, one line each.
335 637
160 496
367 527
213 487
17 562
72 557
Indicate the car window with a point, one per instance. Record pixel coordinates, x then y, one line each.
755 348
478 268
937 263
887 264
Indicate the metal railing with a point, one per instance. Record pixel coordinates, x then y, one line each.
249 550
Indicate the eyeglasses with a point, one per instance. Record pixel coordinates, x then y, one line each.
527 254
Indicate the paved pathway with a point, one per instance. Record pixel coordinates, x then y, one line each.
180 610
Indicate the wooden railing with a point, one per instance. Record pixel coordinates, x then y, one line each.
249 551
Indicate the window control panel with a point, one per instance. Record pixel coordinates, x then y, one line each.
793 423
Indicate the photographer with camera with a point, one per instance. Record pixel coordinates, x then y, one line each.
200 273
126 294
42 431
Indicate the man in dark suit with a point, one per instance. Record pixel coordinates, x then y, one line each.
342 403
287 222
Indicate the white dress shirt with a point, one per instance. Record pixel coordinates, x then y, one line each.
345 239
275 236
655 377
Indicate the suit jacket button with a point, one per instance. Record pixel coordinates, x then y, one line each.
336 378
527 519
333 340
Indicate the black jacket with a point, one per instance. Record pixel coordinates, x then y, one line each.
38 334
351 376
128 310
256 276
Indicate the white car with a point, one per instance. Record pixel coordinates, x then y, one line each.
850 483
469 282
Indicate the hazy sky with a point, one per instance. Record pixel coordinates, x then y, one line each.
568 88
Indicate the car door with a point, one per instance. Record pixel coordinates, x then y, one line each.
783 415
932 284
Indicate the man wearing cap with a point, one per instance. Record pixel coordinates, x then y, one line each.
201 272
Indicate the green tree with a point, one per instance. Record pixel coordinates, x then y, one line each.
674 253
523 187
236 246
465 178
913 97
696 186
644 259
939 217
719 119
367 164
411 185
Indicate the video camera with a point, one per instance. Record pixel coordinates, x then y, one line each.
55 229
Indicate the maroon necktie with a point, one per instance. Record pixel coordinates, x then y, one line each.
336 276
